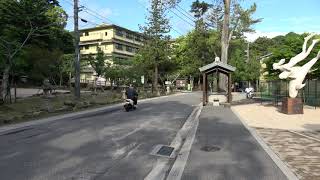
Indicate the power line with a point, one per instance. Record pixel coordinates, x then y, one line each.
176 31
171 27
181 17
97 14
84 20
186 13
91 12
189 15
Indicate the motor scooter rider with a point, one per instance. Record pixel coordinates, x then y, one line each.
132 94
249 91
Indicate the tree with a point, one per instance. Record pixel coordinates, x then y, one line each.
235 22
199 9
66 67
155 51
195 50
97 62
245 70
23 22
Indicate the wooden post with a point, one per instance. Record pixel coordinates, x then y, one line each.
218 81
204 89
229 88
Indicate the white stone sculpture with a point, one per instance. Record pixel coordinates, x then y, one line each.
297 74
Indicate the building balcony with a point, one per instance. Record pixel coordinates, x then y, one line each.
133 41
91 38
124 52
87 51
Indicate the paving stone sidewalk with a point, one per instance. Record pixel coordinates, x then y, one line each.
301 154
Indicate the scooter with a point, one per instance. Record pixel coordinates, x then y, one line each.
129 105
249 92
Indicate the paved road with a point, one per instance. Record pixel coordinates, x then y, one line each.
111 146
239 155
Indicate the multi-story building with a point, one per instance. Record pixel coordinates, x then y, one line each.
115 41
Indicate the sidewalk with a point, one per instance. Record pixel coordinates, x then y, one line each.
294 138
233 152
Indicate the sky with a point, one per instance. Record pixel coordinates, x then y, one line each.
279 16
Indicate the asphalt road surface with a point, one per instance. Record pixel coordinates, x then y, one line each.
113 146
225 150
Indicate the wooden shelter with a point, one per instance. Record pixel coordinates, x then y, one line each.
216 67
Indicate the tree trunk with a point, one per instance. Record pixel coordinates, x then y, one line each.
225 41
155 81
70 86
199 82
15 91
5 83
60 79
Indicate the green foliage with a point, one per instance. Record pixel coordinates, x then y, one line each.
246 71
123 72
67 64
156 32
287 47
195 50
39 63
154 56
199 8
31 23
98 63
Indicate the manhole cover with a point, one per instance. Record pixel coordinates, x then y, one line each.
210 148
163 150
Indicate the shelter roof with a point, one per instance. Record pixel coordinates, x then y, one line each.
217 65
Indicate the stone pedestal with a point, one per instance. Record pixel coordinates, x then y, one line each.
292 106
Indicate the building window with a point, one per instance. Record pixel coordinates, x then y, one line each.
119 47
86 47
119 33
137 38
86 33
129 49
129 36
106 33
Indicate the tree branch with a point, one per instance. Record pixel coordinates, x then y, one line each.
233 29
32 30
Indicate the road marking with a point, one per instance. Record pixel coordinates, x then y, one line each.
161 167
181 161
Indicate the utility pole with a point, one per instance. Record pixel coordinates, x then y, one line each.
77 51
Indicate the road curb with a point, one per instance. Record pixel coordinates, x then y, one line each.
281 165
74 115
162 166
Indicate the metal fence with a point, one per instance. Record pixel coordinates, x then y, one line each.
277 90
